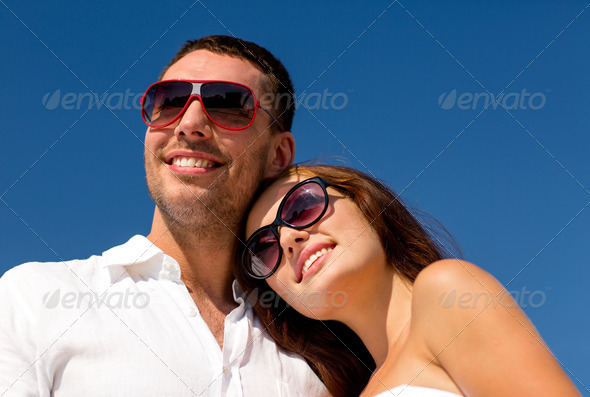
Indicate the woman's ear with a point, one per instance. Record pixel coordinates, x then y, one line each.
281 154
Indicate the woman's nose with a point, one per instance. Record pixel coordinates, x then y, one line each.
292 240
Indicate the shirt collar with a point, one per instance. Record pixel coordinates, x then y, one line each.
141 255
238 293
138 254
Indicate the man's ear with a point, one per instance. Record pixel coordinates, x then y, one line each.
281 153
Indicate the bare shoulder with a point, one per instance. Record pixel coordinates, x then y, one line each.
454 293
471 326
452 273
448 295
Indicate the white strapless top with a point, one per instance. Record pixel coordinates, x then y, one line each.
416 391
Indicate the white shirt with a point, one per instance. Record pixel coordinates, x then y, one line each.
145 337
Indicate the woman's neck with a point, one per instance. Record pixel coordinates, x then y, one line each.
383 316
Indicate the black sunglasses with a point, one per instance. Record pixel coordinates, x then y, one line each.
303 206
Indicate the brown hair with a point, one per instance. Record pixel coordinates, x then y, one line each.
279 87
333 351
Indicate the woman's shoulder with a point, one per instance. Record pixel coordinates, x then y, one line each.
453 273
454 284
450 293
472 327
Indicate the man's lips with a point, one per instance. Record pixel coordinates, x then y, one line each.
191 162
311 256
188 154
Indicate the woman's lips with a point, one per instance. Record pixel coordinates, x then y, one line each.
312 258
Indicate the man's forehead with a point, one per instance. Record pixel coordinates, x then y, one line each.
206 65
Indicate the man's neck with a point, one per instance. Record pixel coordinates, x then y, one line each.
205 259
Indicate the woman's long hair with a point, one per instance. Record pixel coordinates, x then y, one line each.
334 352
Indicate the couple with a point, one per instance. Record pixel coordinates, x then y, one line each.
313 231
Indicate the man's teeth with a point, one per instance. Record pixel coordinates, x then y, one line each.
192 162
313 258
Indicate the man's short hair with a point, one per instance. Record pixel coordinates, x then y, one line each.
279 88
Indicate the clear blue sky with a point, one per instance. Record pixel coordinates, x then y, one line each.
396 89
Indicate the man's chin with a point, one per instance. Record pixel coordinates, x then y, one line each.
188 214
195 211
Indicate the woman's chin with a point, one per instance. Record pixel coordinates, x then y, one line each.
321 305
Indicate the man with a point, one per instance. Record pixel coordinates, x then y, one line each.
162 315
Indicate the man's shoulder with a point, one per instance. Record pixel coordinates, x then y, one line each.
67 272
32 282
45 271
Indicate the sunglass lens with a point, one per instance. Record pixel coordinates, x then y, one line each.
304 205
164 101
229 105
262 253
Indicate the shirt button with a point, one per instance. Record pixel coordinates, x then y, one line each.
225 371
168 266
190 311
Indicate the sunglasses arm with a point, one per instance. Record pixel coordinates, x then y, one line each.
272 116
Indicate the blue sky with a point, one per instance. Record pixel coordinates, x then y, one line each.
396 89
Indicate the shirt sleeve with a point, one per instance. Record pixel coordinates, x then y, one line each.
18 357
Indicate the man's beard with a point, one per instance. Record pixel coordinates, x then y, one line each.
219 209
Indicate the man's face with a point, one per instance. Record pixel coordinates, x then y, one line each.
229 164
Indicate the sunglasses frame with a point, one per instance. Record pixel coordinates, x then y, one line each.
324 184
196 94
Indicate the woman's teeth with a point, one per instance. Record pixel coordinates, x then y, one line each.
192 162
313 258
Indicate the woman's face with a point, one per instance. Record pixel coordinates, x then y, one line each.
326 265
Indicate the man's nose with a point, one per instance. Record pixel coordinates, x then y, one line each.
194 123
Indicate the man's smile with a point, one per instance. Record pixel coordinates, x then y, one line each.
191 162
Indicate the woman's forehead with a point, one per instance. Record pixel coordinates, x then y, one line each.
271 197
275 192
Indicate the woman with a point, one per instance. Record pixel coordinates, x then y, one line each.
344 254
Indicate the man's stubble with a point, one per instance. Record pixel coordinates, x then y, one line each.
219 209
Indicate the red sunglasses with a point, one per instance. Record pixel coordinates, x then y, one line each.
229 105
